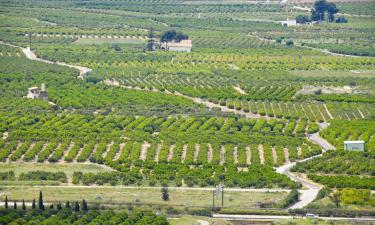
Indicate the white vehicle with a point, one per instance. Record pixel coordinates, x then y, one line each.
311 215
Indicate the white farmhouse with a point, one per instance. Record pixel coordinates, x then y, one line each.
182 46
37 93
354 145
289 23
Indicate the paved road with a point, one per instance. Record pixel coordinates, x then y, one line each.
271 217
307 196
321 141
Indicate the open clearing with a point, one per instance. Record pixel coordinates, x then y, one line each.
120 195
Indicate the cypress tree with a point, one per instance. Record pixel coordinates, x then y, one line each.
6 202
40 203
165 194
59 207
84 205
33 206
15 205
23 205
67 205
76 207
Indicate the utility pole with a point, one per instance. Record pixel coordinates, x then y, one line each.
30 41
213 199
222 195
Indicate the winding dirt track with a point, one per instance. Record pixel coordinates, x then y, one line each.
32 56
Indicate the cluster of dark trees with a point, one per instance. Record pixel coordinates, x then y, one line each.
44 175
40 205
319 11
172 35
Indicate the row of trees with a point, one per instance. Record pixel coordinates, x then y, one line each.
41 206
173 174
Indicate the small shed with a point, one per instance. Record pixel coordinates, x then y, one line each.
354 145
182 46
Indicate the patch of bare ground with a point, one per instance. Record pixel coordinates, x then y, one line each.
21 158
5 135
248 155
117 156
360 113
274 155
261 153
144 148
299 151
286 153
57 147
66 152
184 152
312 111
321 114
196 152
304 111
44 147
109 145
235 154
328 112
18 145
222 155
239 90
171 152
157 153
80 152
209 153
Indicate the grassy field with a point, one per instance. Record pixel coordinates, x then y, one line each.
122 195
68 169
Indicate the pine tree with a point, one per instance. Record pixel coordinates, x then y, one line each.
150 41
6 202
76 207
40 203
23 205
59 207
33 206
15 205
84 205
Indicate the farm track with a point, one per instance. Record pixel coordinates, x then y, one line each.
32 56
200 101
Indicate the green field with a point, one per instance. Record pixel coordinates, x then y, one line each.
120 196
